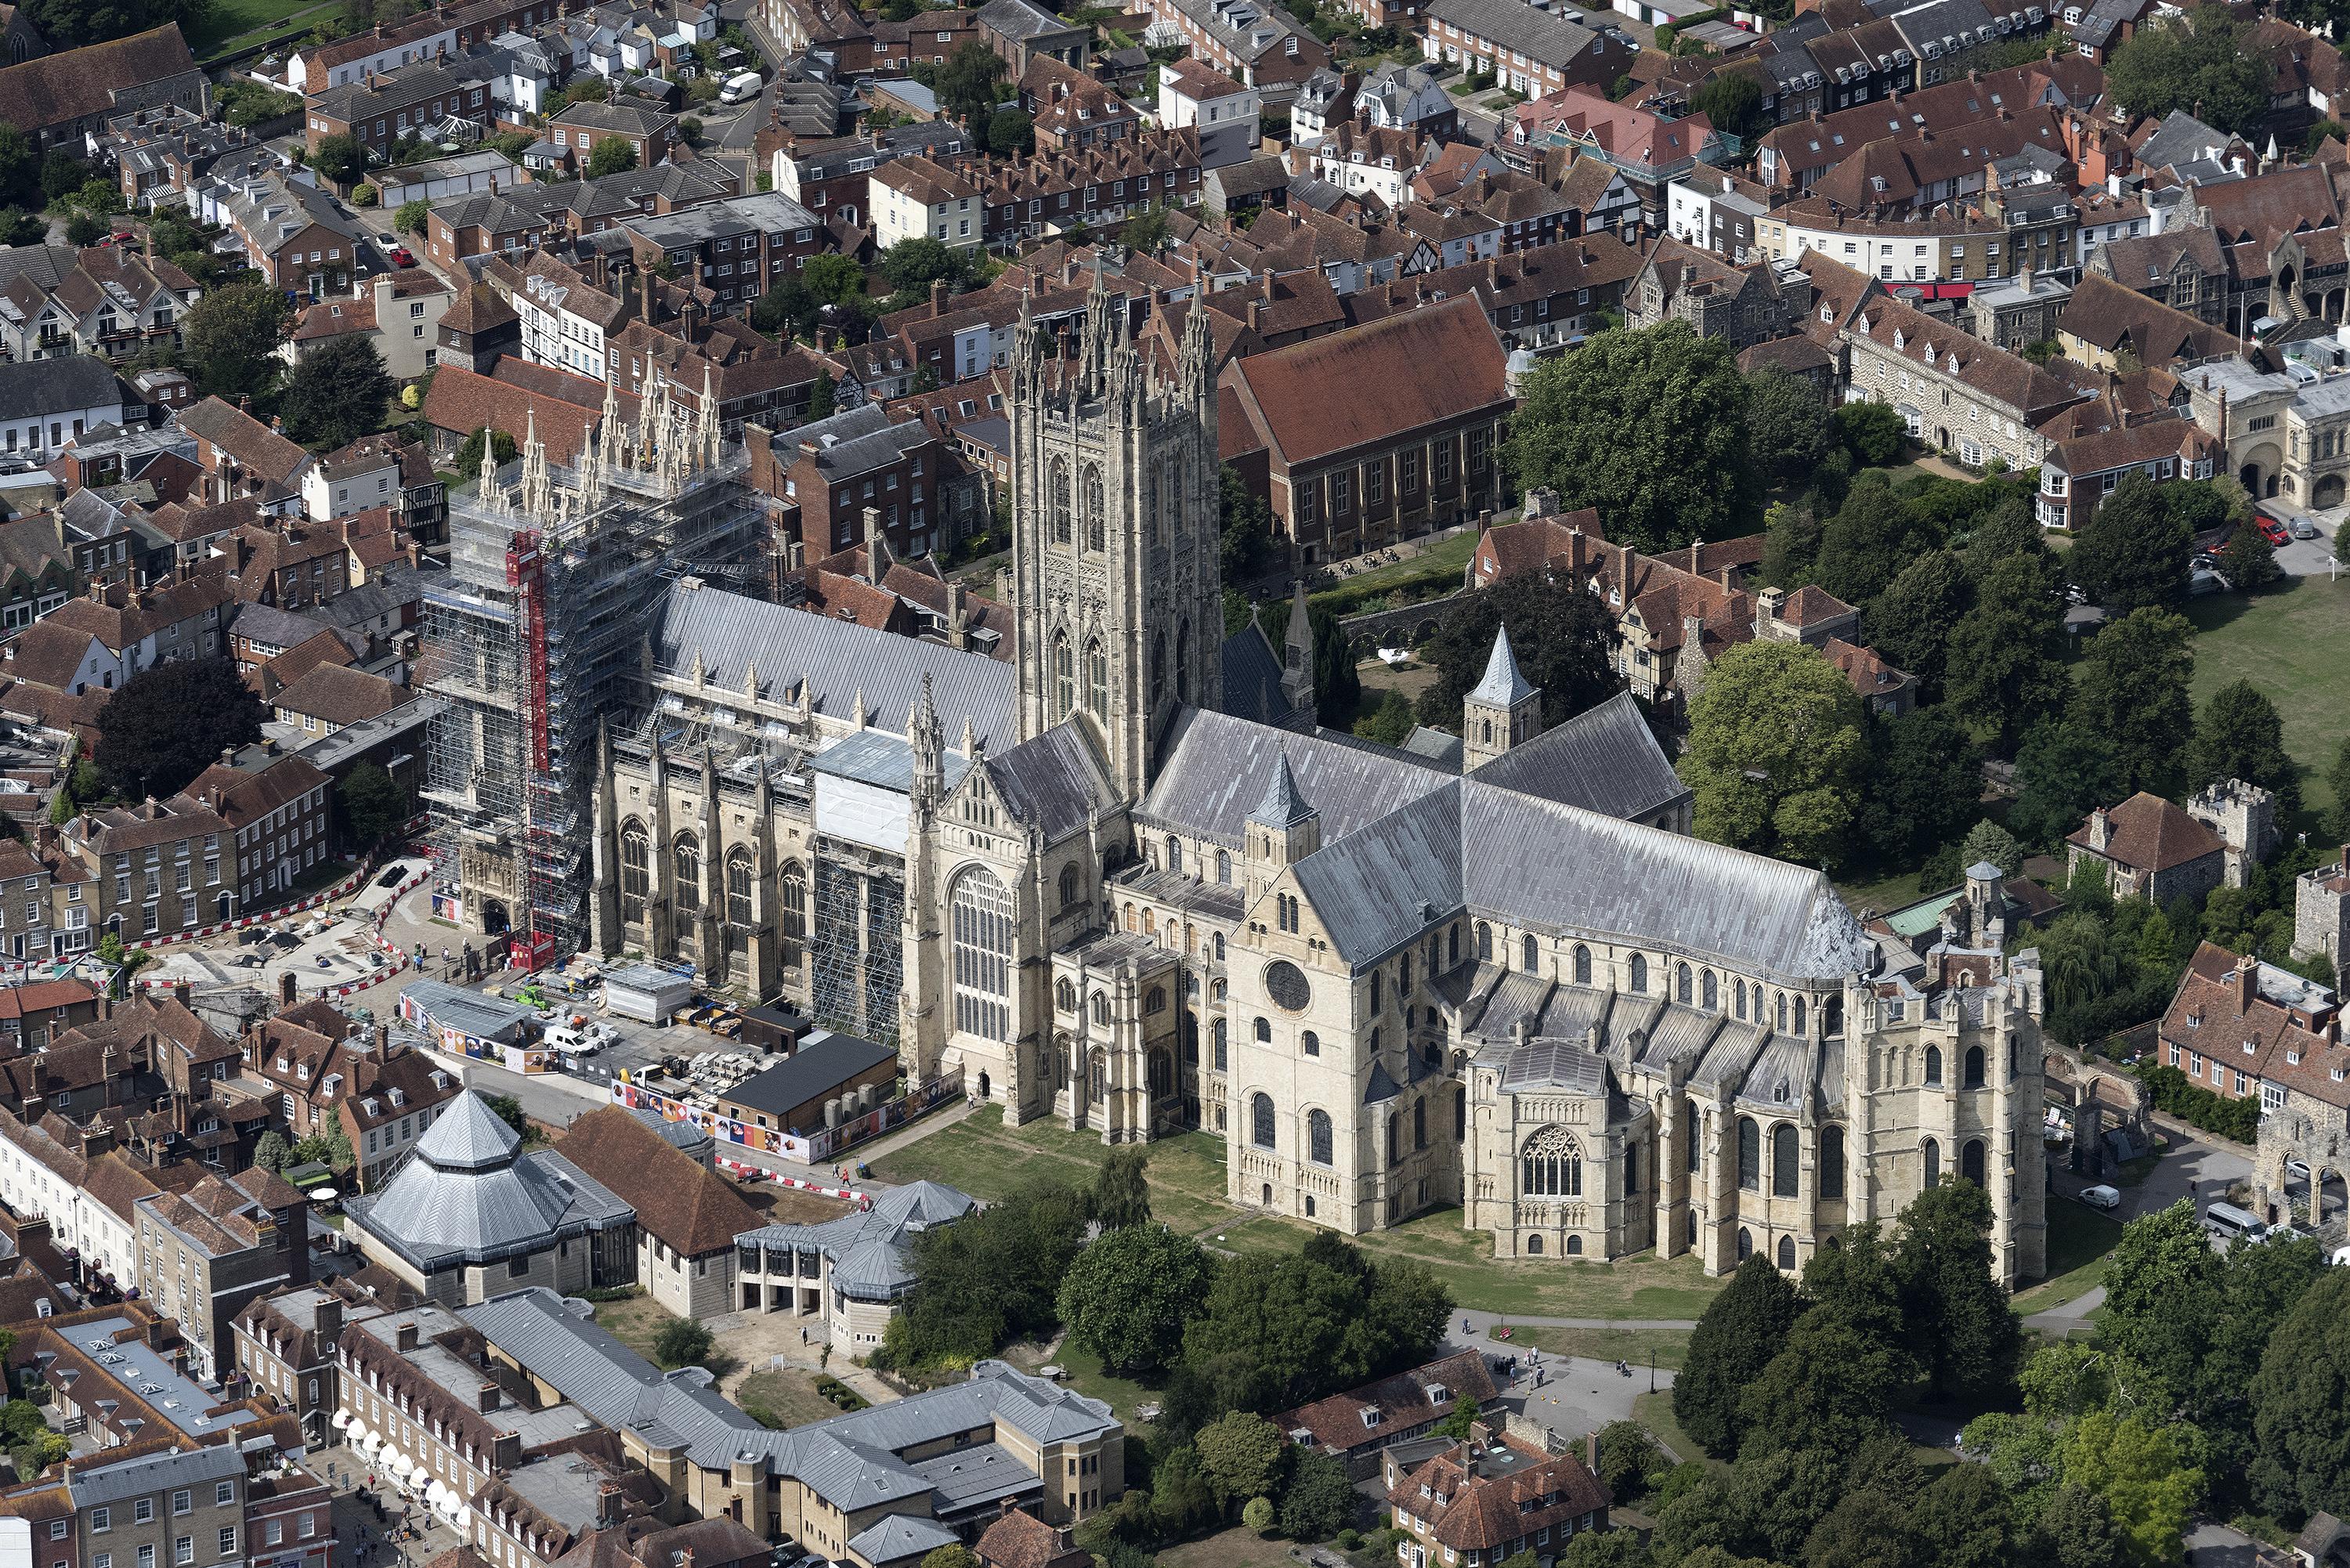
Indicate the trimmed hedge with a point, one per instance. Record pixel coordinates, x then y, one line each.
2177 1095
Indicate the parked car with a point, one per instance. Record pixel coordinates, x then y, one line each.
2203 581
2101 1196
2270 529
403 256
2305 528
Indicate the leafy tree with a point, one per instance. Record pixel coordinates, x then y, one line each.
1280 1328
1628 1457
1011 132
62 174
2133 689
989 1279
338 393
916 262
1964 1519
821 398
469 456
1598 1549
1987 840
171 720
2144 1470
231 337
1786 423
1145 232
1865 1529
2240 735
1911 621
2005 667
1741 1329
19 171
1831 1388
2249 561
954 1554
1242 1457
1337 687
2337 780
1245 529
374 805
1732 102
1924 786
2204 63
271 1150
833 278
787 311
1872 432
2301 1418
2076 1529
509 1110
1127 1297
1122 1188
1776 752
2131 554
1257 1514
1954 1305
413 217
1181 1495
684 1342
2062 773
19 227
1319 1499
1868 540
969 83
1561 636
613 155
2007 529
1650 427
1390 722
1779 1494
1790 544
81 229
340 159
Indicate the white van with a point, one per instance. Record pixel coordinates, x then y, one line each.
2228 1221
741 88
563 1037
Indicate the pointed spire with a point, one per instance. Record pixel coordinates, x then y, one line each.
1283 804
1502 686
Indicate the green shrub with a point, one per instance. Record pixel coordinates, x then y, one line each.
2175 1094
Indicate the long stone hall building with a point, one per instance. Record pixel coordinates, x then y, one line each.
1123 880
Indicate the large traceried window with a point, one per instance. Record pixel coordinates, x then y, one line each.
1550 1164
1786 1161
1317 1136
1832 1162
685 865
1261 1120
1750 1154
1065 676
792 897
1097 528
738 899
980 915
1060 501
636 871
1098 680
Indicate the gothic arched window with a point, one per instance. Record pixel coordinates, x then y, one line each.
1484 943
738 899
1582 964
1223 869
1970 1161
1150 484
1174 854
1709 990
1738 991
1799 1015
1783 1010
1786 1161
1183 660
1065 676
1098 680
1069 889
1640 967
1262 1032
1933 1064
980 916
1095 522
1060 501
793 897
1750 1154
1317 1136
1682 983
636 870
1973 1070
1222 1035
1158 667
1533 953
1745 1244
1933 1152
1832 1162
1550 1164
1786 1255
685 865
1261 1120
1100 1007
1064 996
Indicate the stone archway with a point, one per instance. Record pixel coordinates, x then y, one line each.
2327 491
495 921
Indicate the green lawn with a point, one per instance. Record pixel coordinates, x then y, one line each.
980 1156
2078 1240
788 1395
1655 1411
1086 1376
2289 643
1451 553
1670 1347
225 20
1235 1548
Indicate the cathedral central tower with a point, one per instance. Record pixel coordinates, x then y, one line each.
1116 535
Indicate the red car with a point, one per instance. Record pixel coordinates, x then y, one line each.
2270 529
403 256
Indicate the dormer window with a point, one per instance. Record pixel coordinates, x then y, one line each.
1372 1416
1439 1394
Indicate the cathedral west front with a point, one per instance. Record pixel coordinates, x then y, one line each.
1123 880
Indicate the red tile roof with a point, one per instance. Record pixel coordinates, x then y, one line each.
1431 367
2148 833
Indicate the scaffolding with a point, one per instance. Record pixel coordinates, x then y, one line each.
556 576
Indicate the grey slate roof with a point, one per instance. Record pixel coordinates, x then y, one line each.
870 1251
836 659
1251 675
1502 686
1604 759
1543 37
1379 888
822 1062
1053 782
35 388
1217 767
879 758
1282 804
466 1197
901 1535
156 1472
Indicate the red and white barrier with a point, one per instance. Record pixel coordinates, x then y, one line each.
399 955
741 1167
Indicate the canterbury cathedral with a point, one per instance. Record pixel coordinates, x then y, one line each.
1123 879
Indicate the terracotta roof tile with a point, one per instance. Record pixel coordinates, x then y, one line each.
2151 834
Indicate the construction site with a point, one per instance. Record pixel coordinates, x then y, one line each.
534 636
